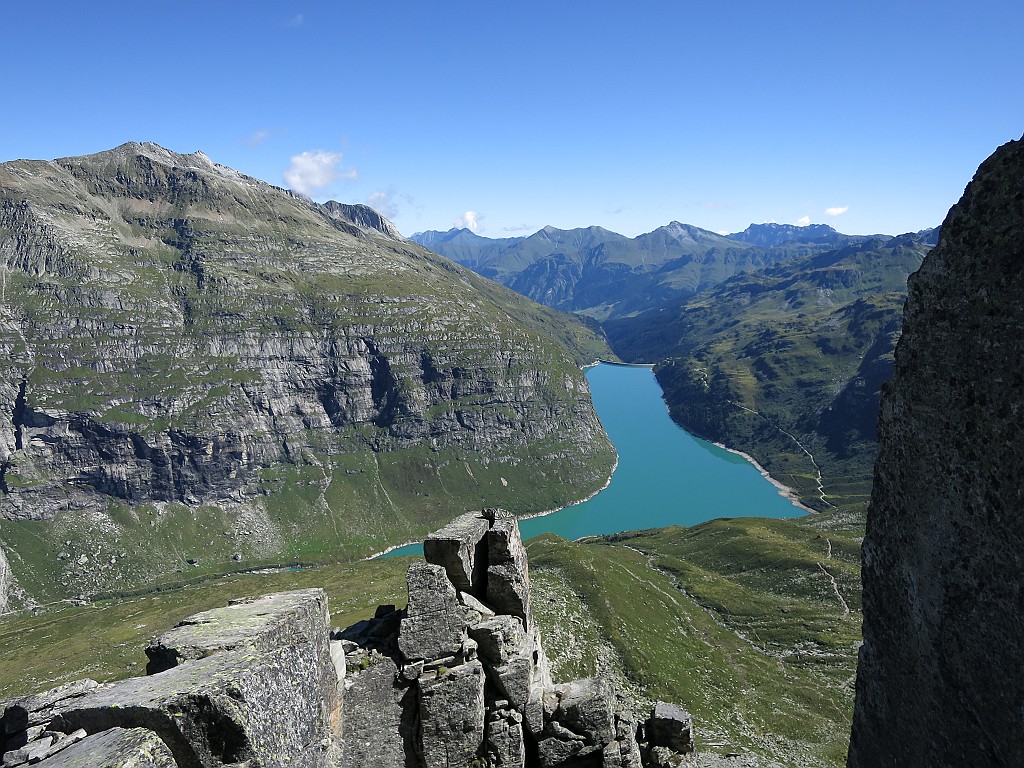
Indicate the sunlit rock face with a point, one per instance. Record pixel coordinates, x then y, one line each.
939 678
174 332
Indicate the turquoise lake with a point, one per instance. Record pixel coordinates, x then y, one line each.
665 475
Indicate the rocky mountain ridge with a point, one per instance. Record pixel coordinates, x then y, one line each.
603 274
196 361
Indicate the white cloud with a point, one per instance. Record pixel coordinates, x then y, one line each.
257 138
469 220
839 210
295 21
803 221
316 169
517 228
383 202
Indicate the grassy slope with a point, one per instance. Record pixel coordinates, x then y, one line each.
735 619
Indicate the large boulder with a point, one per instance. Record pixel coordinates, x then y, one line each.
38 709
261 623
499 639
461 550
452 716
523 679
435 623
505 746
114 748
508 573
670 726
579 720
266 707
380 714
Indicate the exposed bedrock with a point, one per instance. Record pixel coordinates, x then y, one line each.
172 331
6 581
939 678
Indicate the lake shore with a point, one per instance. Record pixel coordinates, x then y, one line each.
784 490
656 489
518 517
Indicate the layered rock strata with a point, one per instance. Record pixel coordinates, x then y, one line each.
939 681
452 681
174 335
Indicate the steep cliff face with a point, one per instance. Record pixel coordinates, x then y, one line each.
178 335
5 581
939 679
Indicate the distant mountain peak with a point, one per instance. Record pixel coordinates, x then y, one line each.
126 154
771 234
682 231
362 216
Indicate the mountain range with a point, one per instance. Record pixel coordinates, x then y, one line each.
787 363
602 274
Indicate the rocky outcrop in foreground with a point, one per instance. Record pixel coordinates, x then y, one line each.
940 675
458 678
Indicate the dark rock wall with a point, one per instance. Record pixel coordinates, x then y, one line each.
941 674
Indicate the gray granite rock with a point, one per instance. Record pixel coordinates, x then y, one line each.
505 746
523 681
579 720
461 550
499 639
625 746
261 623
115 748
476 611
435 621
299 620
670 726
508 573
452 716
379 718
263 706
23 713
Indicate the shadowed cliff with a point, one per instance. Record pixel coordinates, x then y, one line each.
939 679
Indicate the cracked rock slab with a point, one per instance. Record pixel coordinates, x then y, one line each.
245 705
461 550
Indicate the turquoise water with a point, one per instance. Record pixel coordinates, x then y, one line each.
665 476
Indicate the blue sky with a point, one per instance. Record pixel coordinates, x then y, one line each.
869 116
